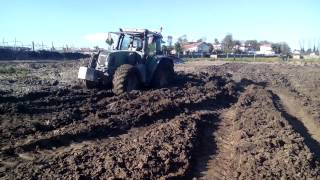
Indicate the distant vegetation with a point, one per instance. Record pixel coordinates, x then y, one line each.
260 59
11 54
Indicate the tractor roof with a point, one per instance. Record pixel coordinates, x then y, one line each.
138 32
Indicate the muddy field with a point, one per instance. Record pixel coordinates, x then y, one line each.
217 121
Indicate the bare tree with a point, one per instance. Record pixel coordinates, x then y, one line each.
178 48
183 39
227 44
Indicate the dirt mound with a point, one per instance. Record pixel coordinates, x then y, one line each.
267 145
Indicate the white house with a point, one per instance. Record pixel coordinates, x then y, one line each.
196 47
266 49
296 54
217 46
242 47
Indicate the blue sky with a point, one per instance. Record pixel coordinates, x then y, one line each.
82 23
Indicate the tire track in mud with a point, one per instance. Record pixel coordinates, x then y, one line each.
302 122
175 166
267 145
214 155
252 139
115 124
219 165
104 130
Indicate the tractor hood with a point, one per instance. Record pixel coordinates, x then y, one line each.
110 60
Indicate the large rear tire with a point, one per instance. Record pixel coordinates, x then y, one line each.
125 79
90 84
163 75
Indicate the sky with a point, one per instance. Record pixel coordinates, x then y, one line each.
84 23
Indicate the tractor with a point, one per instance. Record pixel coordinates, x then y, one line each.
136 61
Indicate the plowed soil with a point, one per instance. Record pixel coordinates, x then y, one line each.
216 121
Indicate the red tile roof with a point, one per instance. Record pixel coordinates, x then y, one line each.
191 45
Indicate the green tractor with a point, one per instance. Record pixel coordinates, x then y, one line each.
137 61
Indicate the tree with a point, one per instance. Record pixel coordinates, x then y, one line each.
284 48
252 45
182 39
227 44
178 48
96 48
169 40
203 39
216 41
237 42
210 47
265 42
309 51
276 48
166 49
280 48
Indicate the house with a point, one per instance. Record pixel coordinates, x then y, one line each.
196 47
244 47
312 55
266 49
240 47
296 54
217 47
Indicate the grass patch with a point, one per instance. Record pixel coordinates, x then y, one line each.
245 59
199 59
10 70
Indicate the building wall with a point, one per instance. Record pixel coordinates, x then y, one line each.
266 50
204 48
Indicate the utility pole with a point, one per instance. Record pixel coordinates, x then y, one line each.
52 47
15 42
32 45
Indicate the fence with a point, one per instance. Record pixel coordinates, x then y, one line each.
20 51
36 46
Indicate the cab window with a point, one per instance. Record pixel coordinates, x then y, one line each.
125 43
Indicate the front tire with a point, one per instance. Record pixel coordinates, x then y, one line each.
125 79
163 75
90 84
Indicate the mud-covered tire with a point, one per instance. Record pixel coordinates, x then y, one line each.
125 79
90 84
163 75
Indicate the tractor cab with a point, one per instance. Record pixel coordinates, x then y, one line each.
146 43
